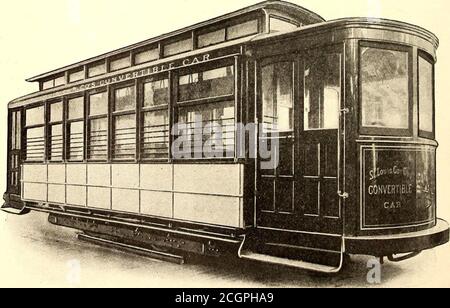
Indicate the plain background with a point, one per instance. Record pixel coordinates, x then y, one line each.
38 36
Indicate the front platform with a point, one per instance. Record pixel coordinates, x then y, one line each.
14 205
387 245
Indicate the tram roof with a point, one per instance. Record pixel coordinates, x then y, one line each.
302 15
313 29
353 22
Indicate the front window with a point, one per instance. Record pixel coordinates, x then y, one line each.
426 97
385 86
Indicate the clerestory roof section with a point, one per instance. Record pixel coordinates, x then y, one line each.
286 10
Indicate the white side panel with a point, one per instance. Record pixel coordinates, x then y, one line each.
76 195
76 174
224 211
156 204
57 193
35 192
57 174
99 175
209 179
35 173
126 176
156 177
125 200
99 197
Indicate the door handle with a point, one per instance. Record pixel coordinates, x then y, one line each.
343 195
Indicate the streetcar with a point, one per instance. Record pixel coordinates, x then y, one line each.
268 133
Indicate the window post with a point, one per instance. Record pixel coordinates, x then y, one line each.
173 90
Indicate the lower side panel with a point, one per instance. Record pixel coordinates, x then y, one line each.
208 194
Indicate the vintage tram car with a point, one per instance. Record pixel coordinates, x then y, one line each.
345 108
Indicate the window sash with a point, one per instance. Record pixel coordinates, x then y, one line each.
155 135
243 29
35 144
322 94
146 56
16 130
211 38
98 104
98 139
75 108
56 112
76 75
177 47
404 114
278 101
97 69
35 116
75 140
120 63
56 142
124 136
426 97
156 93
125 99
211 83
215 122
281 25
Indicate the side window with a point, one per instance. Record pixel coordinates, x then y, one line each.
35 134
155 119
278 97
55 131
426 97
124 123
322 97
98 126
15 135
75 129
206 110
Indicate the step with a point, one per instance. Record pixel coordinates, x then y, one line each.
133 249
14 211
319 253
301 240
247 255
